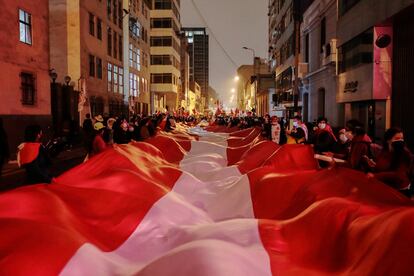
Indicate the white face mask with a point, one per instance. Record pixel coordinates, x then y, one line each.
295 124
343 138
322 126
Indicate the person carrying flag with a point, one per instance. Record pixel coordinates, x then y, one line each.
33 157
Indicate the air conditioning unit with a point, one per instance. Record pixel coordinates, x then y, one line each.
329 52
303 69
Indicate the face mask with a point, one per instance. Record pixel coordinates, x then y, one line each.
295 124
398 145
343 138
322 126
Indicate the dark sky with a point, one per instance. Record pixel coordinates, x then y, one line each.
235 23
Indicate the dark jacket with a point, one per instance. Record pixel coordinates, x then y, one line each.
37 170
393 172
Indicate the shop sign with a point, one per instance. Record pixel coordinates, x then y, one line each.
351 87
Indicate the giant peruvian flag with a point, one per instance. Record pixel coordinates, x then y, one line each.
202 203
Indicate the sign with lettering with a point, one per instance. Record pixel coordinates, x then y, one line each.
351 87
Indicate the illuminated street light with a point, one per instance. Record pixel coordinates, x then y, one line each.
236 78
233 90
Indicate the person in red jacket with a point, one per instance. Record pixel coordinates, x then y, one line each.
360 150
33 157
98 143
393 162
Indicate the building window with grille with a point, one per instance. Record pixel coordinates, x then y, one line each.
28 88
115 78
99 28
109 73
99 68
134 57
25 26
109 41
91 65
121 80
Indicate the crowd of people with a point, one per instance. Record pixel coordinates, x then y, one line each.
391 162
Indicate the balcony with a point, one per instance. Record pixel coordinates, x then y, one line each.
329 53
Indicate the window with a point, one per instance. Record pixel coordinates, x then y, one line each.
115 79
91 24
134 28
346 5
91 65
115 45
357 51
120 14
161 60
164 23
121 80
109 77
164 41
307 48
162 78
108 8
164 5
323 33
99 68
134 57
99 28
25 25
28 88
120 48
115 11
109 42
133 85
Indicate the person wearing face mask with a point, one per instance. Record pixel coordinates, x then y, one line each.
324 139
299 133
393 163
342 147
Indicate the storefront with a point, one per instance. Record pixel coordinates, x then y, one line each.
365 79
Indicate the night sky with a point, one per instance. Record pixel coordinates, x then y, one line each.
235 23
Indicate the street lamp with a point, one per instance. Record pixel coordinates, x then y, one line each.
254 73
236 78
233 90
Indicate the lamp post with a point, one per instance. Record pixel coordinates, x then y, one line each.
254 74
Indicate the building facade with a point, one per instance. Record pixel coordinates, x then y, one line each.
318 48
185 73
165 54
138 48
284 52
198 48
249 93
95 43
375 51
25 67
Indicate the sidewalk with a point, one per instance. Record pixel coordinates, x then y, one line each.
13 176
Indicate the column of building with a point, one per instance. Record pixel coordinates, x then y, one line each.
165 54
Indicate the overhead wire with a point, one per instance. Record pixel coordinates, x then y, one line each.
211 32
